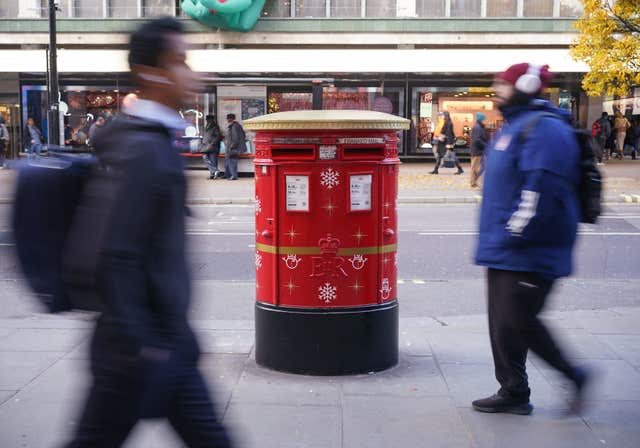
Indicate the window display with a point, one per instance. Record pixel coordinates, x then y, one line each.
289 101
462 104
388 100
430 8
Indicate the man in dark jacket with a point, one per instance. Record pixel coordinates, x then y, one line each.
211 146
446 142
603 127
235 144
479 140
143 353
528 226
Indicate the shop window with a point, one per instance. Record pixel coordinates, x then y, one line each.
381 8
123 9
311 8
9 10
153 8
502 8
571 8
462 104
90 9
430 8
465 8
346 8
289 101
538 8
277 8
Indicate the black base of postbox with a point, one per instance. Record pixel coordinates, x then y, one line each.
327 342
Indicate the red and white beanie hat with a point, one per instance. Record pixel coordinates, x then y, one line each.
527 78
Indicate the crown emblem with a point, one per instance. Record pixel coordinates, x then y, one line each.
329 245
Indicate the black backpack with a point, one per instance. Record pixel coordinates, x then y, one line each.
48 192
590 188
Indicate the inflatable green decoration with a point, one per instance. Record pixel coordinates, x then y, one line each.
236 15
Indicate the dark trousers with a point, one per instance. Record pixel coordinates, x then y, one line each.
113 409
515 300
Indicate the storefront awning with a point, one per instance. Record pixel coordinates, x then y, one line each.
428 61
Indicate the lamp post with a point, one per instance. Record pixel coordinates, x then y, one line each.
53 115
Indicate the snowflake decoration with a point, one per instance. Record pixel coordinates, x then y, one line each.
258 260
329 178
327 293
258 205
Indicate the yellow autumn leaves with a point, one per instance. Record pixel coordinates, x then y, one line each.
609 42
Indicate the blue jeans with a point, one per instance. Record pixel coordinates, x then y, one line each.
211 160
34 150
231 167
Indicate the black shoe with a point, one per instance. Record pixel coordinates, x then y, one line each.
212 176
584 379
433 172
459 172
497 403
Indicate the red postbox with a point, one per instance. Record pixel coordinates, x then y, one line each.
326 240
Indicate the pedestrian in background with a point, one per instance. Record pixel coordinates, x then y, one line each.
621 125
32 138
235 143
4 140
446 142
211 146
95 129
144 353
528 225
601 131
479 139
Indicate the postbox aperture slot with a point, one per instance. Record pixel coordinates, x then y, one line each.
293 152
359 152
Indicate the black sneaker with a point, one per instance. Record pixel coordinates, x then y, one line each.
497 403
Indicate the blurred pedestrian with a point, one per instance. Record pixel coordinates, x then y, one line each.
32 138
528 225
144 353
4 140
95 128
621 125
446 144
235 143
601 131
211 146
479 139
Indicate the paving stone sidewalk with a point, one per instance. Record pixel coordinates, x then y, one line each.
445 362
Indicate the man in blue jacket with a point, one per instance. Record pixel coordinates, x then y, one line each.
528 226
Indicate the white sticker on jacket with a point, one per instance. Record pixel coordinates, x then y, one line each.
503 142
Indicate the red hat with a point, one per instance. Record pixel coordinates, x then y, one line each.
536 79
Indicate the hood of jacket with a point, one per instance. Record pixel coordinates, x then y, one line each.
511 112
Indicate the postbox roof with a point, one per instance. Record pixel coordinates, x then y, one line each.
326 119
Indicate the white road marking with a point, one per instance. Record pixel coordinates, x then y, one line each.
205 233
416 281
582 232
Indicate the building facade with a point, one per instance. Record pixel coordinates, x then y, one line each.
411 58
